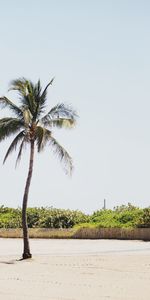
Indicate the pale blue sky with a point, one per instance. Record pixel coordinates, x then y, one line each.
99 53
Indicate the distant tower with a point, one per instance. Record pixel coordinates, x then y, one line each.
104 207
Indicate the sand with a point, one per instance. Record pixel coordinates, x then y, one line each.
75 270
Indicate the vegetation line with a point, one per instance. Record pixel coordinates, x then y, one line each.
52 218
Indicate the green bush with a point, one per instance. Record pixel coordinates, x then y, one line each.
41 217
144 220
120 217
124 216
61 218
10 217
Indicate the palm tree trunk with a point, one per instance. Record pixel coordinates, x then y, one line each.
26 252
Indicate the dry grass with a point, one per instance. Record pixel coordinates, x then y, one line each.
51 233
43 233
113 233
81 233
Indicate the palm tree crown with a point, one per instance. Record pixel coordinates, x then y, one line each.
31 123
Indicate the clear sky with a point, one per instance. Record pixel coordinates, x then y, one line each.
99 53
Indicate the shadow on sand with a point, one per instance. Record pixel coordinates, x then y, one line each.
9 262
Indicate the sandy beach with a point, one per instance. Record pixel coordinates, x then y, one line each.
75 270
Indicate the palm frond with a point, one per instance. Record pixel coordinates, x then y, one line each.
37 97
5 102
43 96
19 85
41 137
61 116
20 149
60 123
31 98
27 117
14 144
26 90
9 126
62 154
37 90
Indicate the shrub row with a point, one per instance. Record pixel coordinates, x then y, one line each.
120 217
41 217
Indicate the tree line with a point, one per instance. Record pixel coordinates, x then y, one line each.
124 216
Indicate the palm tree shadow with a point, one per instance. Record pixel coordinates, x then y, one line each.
8 262
13 261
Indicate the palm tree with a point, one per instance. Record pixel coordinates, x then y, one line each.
33 126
